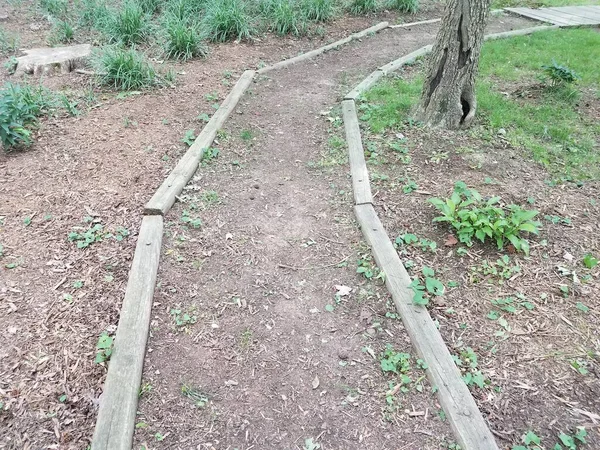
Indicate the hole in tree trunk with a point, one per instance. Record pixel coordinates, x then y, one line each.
466 108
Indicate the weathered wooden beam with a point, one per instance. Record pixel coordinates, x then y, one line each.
364 85
358 166
469 426
118 403
318 51
165 196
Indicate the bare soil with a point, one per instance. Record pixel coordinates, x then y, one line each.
56 299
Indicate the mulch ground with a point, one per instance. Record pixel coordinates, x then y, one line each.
275 367
540 350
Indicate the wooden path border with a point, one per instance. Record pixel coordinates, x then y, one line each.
467 422
165 196
118 403
319 51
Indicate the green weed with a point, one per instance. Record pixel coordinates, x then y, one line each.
55 8
474 217
124 70
405 6
225 20
358 7
149 6
283 17
104 348
62 32
317 10
128 25
20 107
183 40
9 43
432 286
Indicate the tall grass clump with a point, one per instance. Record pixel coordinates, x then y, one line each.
94 13
358 7
20 107
225 20
183 40
129 25
317 10
149 6
54 8
62 32
125 69
405 6
185 9
9 43
282 17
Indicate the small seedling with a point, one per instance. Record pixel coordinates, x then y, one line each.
85 238
194 222
104 348
182 319
199 398
560 75
189 138
590 261
432 286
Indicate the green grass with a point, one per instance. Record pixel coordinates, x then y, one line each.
124 70
129 25
317 10
283 17
549 125
358 7
405 6
226 20
182 40
62 32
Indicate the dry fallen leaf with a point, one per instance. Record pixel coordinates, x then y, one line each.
451 241
342 291
315 383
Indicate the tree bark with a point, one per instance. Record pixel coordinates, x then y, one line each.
448 97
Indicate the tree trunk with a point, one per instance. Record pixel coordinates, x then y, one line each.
448 98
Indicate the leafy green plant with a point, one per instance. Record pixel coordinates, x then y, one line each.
210 154
84 238
317 10
182 319
409 239
189 137
20 106
125 69
405 6
183 40
467 362
363 6
432 286
225 20
104 348
474 217
590 261
367 268
186 218
559 74
502 269
392 361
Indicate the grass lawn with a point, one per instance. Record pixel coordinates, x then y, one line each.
556 124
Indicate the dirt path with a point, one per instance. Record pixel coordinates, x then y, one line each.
262 361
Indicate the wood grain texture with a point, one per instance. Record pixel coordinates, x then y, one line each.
118 403
318 51
469 426
164 198
364 85
358 167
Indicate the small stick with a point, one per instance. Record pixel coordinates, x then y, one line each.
284 266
